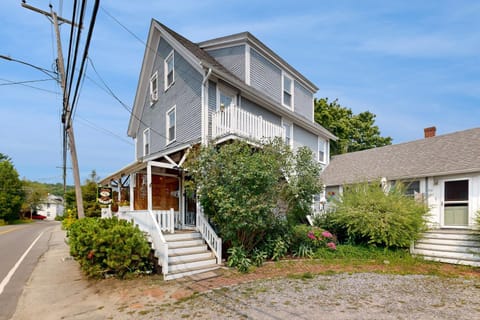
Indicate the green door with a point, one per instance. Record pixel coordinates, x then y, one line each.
455 203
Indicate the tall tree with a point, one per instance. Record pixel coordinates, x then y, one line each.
35 193
89 193
355 132
11 190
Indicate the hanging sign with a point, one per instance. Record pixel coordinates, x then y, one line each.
104 195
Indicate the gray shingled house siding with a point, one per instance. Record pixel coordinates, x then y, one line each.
265 76
185 93
303 100
232 58
302 137
259 111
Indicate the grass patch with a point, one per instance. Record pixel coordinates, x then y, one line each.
19 221
302 276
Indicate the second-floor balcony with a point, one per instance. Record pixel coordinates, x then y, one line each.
233 120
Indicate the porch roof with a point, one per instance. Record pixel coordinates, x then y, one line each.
128 169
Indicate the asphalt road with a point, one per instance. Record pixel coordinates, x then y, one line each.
15 241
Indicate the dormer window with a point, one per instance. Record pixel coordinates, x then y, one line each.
169 67
287 85
146 142
154 88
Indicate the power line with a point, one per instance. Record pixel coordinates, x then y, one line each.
22 83
96 127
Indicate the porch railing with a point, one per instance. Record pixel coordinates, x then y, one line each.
147 222
213 241
233 120
165 219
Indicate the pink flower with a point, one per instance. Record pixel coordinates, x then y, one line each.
327 234
311 235
332 245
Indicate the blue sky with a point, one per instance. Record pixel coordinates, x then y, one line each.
413 63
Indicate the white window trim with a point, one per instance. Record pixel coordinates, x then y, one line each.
325 150
291 131
146 133
165 70
292 88
153 92
174 109
228 92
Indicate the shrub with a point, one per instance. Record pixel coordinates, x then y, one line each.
109 247
304 237
372 216
69 219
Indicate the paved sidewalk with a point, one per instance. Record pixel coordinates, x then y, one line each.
57 289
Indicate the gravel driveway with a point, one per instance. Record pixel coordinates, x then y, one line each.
340 296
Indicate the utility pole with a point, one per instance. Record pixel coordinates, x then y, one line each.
66 107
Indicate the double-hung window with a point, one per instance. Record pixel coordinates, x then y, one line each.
171 125
146 142
322 150
169 67
287 85
154 88
225 97
288 133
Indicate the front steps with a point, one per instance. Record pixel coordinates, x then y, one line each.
188 254
456 246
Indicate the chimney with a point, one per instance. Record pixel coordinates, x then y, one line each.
430 132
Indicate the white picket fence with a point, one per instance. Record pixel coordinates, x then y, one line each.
233 120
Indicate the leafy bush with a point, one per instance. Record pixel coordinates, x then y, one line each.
238 259
69 219
371 216
108 246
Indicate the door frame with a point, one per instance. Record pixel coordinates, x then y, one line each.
442 202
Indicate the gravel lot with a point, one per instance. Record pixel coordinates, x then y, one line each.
341 296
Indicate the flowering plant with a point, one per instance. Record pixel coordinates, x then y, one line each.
321 238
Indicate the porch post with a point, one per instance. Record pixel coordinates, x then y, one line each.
132 186
181 205
149 186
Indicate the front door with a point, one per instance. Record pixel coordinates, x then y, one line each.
190 211
455 204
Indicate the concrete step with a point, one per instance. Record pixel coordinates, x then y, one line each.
464 256
185 243
191 271
179 266
182 236
187 250
184 258
447 248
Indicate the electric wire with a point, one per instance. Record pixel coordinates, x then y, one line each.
101 129
85 55
29 86
22 82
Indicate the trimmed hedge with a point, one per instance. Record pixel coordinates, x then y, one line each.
109 247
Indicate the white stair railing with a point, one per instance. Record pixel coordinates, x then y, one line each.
165 219
147 222
209 235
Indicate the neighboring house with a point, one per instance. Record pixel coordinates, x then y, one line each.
51 207
232 87
443 171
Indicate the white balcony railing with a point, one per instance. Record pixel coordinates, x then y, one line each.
233 120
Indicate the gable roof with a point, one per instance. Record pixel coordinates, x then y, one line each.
202 61
453 153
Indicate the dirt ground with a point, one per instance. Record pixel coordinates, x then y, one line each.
300 289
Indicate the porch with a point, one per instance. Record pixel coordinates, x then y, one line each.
181 238
233 120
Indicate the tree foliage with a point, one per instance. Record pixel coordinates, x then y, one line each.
89 193
355 132
35 193
241 185
11 190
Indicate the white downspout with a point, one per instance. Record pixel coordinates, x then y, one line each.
205 108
